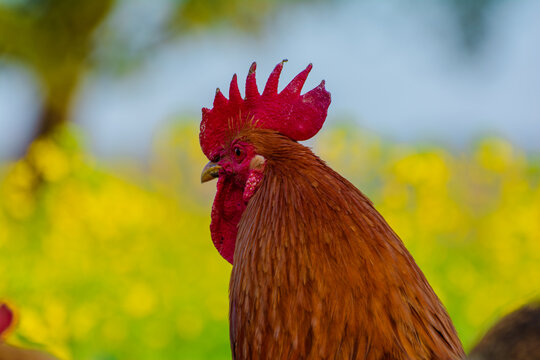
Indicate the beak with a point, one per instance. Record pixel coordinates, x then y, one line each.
210 172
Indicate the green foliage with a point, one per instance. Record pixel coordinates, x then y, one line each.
247 15
53 39
104 263
240 13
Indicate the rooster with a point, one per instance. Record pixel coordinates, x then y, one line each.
317 271
516 336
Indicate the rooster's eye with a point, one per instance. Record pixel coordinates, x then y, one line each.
237 151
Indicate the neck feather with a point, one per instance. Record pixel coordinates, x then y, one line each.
316 261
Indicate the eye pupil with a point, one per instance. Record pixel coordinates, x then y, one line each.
237 151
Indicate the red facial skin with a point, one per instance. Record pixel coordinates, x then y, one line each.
236 185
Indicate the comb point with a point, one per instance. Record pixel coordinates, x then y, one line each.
296 84
273 80
219 99
234 91
252 68
252 91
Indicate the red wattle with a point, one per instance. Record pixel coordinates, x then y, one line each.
227 210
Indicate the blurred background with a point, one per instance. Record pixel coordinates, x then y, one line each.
105 251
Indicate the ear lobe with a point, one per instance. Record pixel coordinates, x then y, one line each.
257 163
255 177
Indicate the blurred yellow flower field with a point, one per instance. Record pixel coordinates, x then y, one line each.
111 261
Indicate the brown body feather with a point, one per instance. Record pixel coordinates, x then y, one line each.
319 274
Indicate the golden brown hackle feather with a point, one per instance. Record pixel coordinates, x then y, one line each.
319 274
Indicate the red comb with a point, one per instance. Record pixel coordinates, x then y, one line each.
6 318
297 116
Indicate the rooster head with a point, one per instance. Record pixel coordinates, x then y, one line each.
233 159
